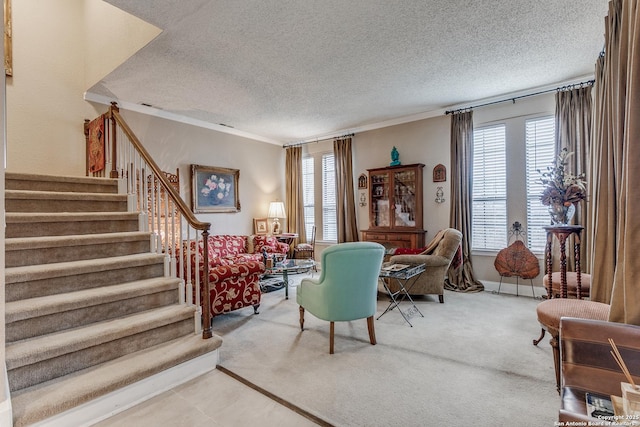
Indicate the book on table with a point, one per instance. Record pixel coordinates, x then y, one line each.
395 267
599 406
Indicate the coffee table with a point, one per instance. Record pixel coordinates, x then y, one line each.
405 275
289 266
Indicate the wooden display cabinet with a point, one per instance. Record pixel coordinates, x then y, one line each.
395 208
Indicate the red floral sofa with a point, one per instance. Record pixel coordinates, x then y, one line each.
235 267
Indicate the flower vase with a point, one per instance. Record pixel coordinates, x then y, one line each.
561 214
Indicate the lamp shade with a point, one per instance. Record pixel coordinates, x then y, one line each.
276 210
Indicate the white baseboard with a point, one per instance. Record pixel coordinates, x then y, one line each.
6 410
113 403
6 414
523 289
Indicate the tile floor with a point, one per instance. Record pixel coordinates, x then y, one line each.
213 400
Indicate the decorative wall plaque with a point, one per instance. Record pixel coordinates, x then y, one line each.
362 181
439 173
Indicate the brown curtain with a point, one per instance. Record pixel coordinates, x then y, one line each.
294 201
615 166
462 278
345 194
573 132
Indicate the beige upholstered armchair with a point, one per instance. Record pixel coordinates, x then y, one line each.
436 257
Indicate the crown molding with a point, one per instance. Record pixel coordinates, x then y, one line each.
156 112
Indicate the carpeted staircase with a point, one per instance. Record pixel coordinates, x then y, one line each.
88 307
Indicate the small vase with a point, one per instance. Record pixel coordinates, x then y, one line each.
561 214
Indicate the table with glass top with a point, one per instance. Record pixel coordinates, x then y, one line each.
289 266
405 276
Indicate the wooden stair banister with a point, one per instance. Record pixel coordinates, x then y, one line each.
117 121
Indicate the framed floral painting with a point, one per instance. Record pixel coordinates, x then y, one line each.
214 189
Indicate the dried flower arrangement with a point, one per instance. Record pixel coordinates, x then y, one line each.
562 187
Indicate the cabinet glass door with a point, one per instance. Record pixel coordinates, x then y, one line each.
380 200
404 198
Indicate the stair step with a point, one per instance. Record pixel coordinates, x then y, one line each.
50 201
46 357
64 393
44 315
21 181
40 280
33 224
52 249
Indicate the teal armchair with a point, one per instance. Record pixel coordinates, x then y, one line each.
347 288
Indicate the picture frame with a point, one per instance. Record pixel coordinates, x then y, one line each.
214 189
260 226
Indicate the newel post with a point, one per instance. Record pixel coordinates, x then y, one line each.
114 150
205 296
86 138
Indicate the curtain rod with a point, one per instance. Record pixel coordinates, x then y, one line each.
297 144
513 99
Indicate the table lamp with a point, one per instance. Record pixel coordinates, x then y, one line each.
276 211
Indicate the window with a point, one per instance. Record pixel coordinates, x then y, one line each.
540 147
489 198
319 195
329 221
308 198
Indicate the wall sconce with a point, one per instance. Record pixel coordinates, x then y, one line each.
439 195
363 199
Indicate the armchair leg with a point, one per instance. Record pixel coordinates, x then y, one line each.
255 309
301 308
542 332
331 327
441 298
556 359
372 331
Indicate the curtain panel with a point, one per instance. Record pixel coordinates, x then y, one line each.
293 193
462 279
347 225
573 132
615 164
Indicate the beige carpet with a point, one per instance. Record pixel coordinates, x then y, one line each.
469 361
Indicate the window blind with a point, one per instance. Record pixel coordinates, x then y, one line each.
540 148
329 222
489 192
308 195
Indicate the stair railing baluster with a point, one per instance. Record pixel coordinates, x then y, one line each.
165 237
114 151
158 216
140 187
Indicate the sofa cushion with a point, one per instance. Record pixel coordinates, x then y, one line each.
225 245
191 252
237 259
270 243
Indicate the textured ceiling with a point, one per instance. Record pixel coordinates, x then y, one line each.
293 70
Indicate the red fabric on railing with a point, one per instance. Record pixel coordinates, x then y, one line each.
95 144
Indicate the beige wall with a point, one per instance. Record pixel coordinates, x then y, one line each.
59 50
176 145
